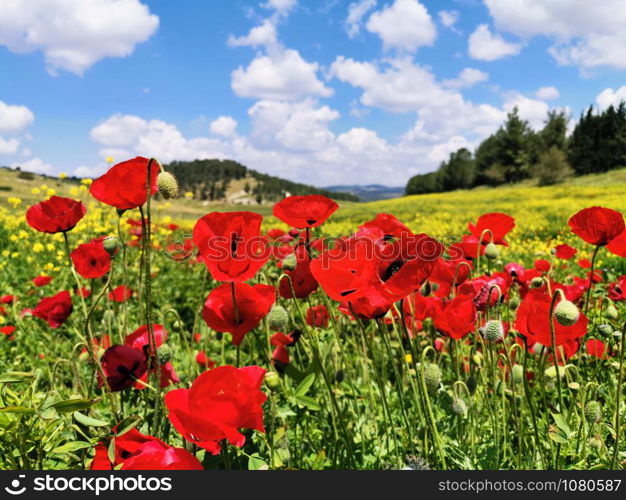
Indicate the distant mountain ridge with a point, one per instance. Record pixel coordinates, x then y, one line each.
370 192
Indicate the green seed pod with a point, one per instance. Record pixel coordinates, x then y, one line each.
290 262
611 312
492 251
108 318
605 330
432 376
536 282
518 374
167 184
459 407
513 303
593 412
110 244
471 384
494 331
164 354
272 380
595 442
278 319
566 313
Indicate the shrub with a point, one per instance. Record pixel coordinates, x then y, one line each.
552 167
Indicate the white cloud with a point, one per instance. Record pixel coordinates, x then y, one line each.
586 34
448 17
74 35
9 146
36 166
547 93
467 78
486 46
356 12
532 110
226 126
262 35
282 76
610 97
282 7
406 25
14 118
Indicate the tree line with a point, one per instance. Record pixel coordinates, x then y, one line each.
516 152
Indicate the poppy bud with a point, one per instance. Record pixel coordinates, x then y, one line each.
110 244
164 354
566 313
518 374
108 318
611 312
605 330
596 443
536 282
459 407
290 262
513 303
432 376
492 251
494 331
167 184
272 380
593 412
339 376
278 318
471 383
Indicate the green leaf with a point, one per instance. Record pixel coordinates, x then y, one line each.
16 377
255 462
305 385
71 405
308 402
562 424
17 409
71 446
89 421
127 424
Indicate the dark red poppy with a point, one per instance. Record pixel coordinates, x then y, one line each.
120 294
533 321
40 281
83 292
124 186
565 252
456 318
595 348
484 288
55 310
597 225
55 215
318 316
617 245
139 340
301 278
91 260
498 223
617 289
220 402
280 356
204 361
123 366
305 211
542 265
231 245
253 304
8 331
275 233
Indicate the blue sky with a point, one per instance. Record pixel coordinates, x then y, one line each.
319 91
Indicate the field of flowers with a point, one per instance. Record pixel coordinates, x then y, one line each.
468 330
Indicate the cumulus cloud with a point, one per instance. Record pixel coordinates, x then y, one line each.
586 34
225 126
610 97
405 25
75 35
14 118
262 35
532 110
468 77
547 93
9 146
356 13
448 17
487 46
35 165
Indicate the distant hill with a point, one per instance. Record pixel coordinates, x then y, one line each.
372 192
232 182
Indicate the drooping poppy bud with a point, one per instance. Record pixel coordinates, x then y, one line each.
494 331
432 376
459 407
566 313
168 185
492 251
278 318
593 412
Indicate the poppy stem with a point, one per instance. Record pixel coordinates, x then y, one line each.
555 354
618 400
593 264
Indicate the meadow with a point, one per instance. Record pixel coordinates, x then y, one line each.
129 343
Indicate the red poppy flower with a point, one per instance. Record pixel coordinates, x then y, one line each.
498 223
91 260
124 186
42 280
618 245
8 331
83 292
456 319
370 306
388 224
597 225
123 366
595 348
55 215
565 252
204 361
617 290
533 321
542 265
55 310
139 340
305 211
584 263
275 233
231 245
280 356
7 299
120 294
444 273
302 279
253 304
318 316
220 402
